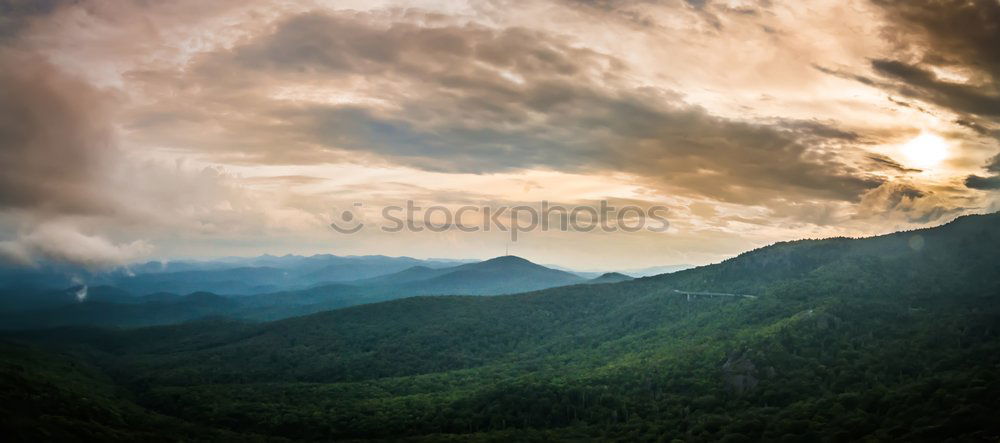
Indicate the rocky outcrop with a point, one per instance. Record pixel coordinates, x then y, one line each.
739 372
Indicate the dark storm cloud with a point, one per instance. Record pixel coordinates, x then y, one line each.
983 183
923 84
986 183
474 99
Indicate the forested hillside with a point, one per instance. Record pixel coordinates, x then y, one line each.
887 338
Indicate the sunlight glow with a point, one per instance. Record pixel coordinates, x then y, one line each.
925 151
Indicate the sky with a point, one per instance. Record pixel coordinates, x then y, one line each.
133 130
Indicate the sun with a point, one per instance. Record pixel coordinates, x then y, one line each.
926 151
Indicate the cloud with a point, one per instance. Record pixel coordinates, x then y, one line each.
956 36
64 243
924 84
991 182
948 32
56 134
884 162
67 171
983 183
466 98
16 14
902 202
678 101
63 170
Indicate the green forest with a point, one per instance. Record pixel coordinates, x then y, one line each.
891 338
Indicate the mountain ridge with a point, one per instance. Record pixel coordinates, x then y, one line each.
880 339
491 277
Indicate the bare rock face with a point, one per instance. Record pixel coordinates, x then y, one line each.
739 372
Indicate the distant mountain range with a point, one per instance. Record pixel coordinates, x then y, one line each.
267 287
229 275
262 274
117 306
256 275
